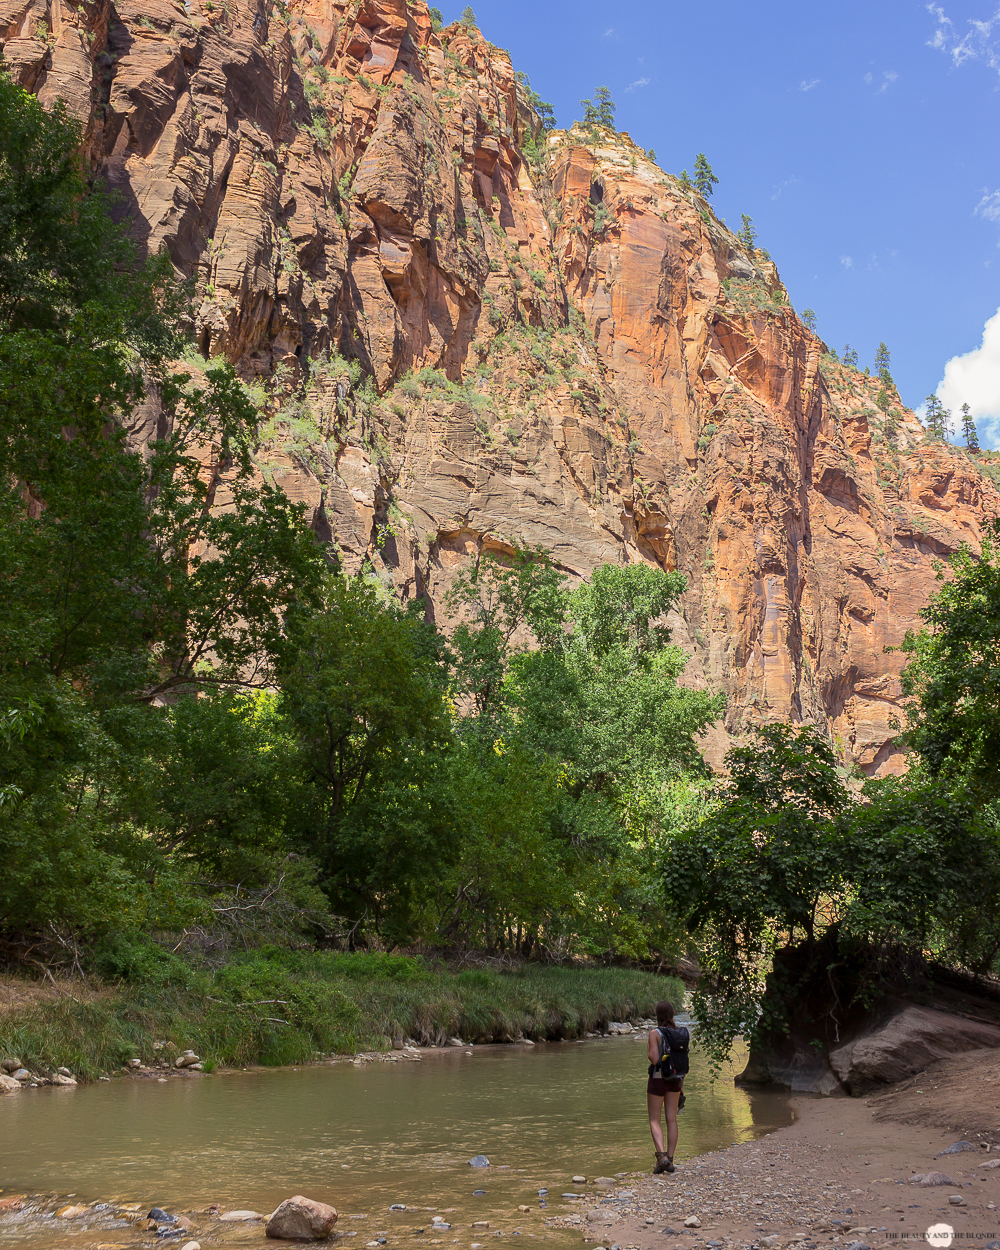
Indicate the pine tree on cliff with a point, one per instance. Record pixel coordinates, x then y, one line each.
600 111
704 180
969 432
747 235
684 180
468 19
882 365
936 419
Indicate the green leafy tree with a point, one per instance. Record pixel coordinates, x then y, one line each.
705 180
684 180
363 690
969 432
809 320
437 19
747 235
953 672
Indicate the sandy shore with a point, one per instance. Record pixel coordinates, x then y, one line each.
842 1173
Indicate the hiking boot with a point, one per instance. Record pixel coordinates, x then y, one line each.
670 1165
663 1164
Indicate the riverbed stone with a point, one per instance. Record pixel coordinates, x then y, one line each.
22 1074
11 1065
234 1217
191 1245
58 1078
692 1221
72 1212
8 1085
301 1219
186 1060
480 1161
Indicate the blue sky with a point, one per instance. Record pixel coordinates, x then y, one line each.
862 138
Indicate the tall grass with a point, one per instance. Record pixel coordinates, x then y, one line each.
280 1007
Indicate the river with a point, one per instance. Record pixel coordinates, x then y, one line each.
361 1138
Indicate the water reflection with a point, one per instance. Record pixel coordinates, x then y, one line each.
363 1138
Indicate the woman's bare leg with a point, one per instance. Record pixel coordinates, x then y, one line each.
670 1106
655 1104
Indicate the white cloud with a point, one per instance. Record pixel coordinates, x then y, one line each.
639 82
889 76
789 182
808 86
974 379
847 262
989 206
981 42
608 33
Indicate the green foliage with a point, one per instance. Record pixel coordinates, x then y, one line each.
747 235
809 320
785 869
684 180
600 111
437 20
953 673
468 19
936 418
969 432
705 180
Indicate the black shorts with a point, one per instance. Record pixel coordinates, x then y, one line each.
660 1085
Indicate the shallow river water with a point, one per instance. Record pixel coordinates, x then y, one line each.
360 1138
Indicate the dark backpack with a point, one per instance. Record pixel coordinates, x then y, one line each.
673 1060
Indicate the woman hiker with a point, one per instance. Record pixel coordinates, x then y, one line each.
668 1065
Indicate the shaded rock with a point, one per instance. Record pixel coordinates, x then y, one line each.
905 1044
956 1149
926 1179
301 1219
64 1071
10 1065
480 1161
22 1074
161 1216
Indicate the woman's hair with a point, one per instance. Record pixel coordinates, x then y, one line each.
664 1012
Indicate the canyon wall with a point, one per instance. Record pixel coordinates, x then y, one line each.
467 334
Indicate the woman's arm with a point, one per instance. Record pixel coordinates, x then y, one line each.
653 1047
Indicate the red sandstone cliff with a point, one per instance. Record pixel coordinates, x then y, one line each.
557 343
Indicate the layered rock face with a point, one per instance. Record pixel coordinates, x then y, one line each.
465 334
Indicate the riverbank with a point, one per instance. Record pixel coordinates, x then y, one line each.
842 1174
278 1008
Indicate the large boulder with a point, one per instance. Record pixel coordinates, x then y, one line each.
301 1219
905 1044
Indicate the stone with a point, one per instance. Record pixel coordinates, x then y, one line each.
522 1207
692 1221
479 1193
617 1027
72 1212
64 1072
480 1224
956 1200
398 1206
956 1149
22 1074
455 1041
301 1219
600 1215
857 1245
187 1060
191 1245
11 1065
578 1180
13 1202
234 1217
480 1161
905 1044
571 1195
8 1084
59 1078
926 1179
159 1216
990 1163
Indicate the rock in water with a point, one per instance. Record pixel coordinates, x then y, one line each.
8 1084
72 1213
161 1216
480 1161
191 1245
301 1219
234 1217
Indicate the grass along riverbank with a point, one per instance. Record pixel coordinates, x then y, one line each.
277 1007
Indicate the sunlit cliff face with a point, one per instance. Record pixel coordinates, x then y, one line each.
465 334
